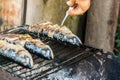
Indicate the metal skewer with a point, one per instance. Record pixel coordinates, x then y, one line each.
64 19
66 15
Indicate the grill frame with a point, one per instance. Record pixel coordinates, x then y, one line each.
63 58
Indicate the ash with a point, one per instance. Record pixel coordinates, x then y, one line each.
65 74
78 71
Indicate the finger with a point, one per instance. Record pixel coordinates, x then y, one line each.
76 11
71 2
84 5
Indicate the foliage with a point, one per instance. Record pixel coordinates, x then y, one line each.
117 53
117 40
118 23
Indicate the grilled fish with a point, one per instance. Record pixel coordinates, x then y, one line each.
16 53
60 33
34 46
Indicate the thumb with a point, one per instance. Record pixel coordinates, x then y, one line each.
71 2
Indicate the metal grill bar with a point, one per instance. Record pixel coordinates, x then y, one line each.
60 66
64 56
49 62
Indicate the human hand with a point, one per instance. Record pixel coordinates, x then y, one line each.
81 8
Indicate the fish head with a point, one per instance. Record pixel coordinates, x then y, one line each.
26 59
74 40
47 53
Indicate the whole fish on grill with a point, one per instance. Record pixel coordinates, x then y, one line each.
34 46
60 33
16 53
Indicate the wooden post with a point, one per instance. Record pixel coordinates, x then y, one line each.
101 24
12 11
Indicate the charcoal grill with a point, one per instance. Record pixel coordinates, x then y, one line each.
64 56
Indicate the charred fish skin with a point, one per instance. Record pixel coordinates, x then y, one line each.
60 33
17 30
45 52
74 40
12 52
34 46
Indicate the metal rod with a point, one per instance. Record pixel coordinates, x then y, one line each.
50 62
63 63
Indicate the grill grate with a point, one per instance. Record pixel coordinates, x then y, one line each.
64 56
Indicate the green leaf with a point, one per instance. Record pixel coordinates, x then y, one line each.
118 42
118 23
117 53
117 35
